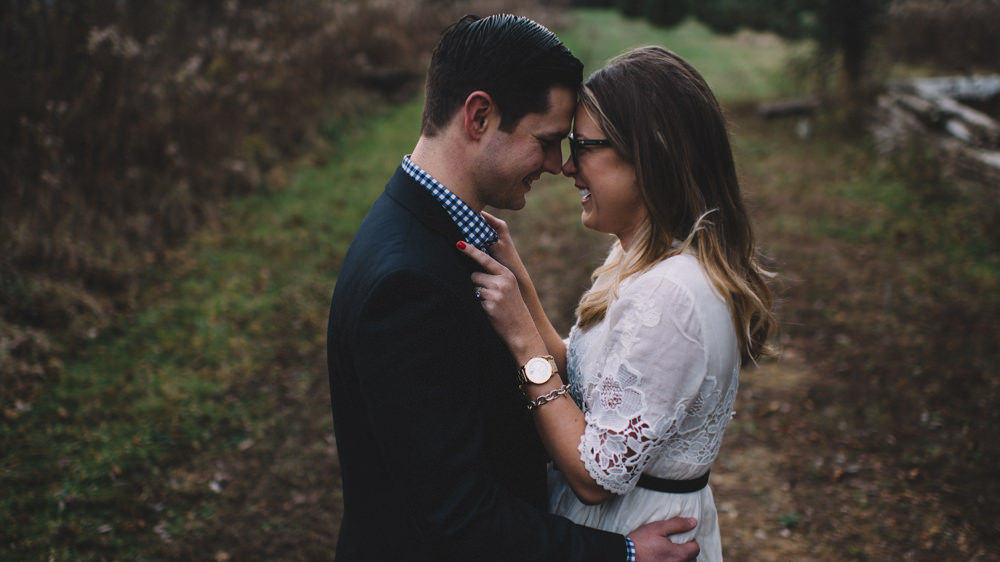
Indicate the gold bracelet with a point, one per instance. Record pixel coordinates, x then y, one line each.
546 398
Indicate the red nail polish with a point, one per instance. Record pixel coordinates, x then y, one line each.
461 245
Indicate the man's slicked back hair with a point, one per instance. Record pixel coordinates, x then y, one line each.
513 59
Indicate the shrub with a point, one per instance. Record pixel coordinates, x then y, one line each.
630 8
665 14
959 35
130 123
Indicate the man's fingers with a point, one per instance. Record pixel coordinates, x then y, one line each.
689 551
674 526
678 525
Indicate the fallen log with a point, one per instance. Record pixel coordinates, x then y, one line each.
963 88
972 127
900 124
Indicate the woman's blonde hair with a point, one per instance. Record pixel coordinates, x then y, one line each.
661 116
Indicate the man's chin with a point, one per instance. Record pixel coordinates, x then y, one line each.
518 205
511 205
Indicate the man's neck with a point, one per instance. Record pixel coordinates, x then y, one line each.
448 164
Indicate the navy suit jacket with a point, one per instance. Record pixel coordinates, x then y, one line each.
439 457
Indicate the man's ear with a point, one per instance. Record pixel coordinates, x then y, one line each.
479 112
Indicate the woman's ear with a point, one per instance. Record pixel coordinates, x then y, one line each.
479 114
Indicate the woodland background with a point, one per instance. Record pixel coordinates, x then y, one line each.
169 238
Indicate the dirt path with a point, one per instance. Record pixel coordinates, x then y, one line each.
757 511
808 471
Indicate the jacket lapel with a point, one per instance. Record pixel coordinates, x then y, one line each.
419 202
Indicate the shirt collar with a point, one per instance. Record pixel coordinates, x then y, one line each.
472 224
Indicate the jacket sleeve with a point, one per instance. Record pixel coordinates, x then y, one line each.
419 376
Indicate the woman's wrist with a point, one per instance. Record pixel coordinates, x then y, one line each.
533 391
523 279
527 346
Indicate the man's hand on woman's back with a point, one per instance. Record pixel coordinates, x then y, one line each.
653 544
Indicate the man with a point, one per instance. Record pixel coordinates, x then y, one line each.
439 456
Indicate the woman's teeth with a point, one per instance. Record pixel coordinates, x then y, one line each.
585 194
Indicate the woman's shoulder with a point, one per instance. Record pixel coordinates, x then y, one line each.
677 283
681 270
678 265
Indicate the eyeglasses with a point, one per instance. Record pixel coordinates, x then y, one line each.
575 145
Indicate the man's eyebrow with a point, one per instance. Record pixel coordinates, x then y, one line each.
555 136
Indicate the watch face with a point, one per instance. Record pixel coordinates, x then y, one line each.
537 370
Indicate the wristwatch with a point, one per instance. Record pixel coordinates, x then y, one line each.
538 370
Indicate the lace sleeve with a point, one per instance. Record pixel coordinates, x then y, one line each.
652 387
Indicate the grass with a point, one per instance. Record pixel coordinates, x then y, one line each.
742 67
118 455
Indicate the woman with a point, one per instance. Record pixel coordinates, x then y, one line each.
654 358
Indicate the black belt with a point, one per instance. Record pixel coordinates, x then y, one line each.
673 486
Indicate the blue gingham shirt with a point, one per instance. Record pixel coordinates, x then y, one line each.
474 227
477 232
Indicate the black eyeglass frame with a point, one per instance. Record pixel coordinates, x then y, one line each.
576 144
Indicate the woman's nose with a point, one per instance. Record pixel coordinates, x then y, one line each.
569 167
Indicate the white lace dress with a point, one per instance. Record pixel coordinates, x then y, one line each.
656 380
